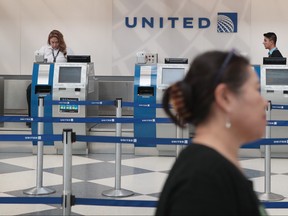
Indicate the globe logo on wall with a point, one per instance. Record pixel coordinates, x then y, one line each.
227 23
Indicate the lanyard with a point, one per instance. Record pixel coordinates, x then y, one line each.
54 57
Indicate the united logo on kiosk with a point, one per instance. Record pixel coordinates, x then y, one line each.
227 22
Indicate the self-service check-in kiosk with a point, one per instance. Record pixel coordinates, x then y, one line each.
150 82
72 82
274 88
64 82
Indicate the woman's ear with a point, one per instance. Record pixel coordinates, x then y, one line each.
223 97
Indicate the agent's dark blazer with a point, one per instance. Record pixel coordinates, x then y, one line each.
276 53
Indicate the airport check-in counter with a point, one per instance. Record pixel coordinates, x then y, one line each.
63 82
72 82
150 82
274 88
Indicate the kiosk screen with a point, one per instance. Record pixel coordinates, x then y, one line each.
171 75
69 74
277 77
69 108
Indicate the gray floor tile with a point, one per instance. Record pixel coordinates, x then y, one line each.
97 171
8 168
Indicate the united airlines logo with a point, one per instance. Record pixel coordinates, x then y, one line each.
227 23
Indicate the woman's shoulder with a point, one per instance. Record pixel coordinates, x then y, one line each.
45 48
203 156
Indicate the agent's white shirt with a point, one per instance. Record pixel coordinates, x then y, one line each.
50 53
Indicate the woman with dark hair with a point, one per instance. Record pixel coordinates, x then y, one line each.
220 96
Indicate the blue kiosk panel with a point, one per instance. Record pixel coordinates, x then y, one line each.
257 69
42 82
145 81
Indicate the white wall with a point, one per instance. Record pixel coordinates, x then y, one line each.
10 31
178 41
25 25
96 27
268 16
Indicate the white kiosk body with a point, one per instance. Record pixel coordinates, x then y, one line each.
168 74
274 88
72 82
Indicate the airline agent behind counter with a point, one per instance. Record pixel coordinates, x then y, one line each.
55 51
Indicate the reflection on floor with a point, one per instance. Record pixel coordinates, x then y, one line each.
94 173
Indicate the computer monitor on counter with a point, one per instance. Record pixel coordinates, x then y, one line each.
274 61
79 58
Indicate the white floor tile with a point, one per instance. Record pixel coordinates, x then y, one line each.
275 212
49 161
146 183
151 163
279 184
278 165
27 179
142 197
112 210
255 164
20 209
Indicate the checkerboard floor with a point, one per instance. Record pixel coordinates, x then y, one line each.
95 173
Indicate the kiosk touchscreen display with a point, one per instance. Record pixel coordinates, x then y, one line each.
69 74
172 75
69 108
277 77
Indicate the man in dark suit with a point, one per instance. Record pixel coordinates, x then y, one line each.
269 43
